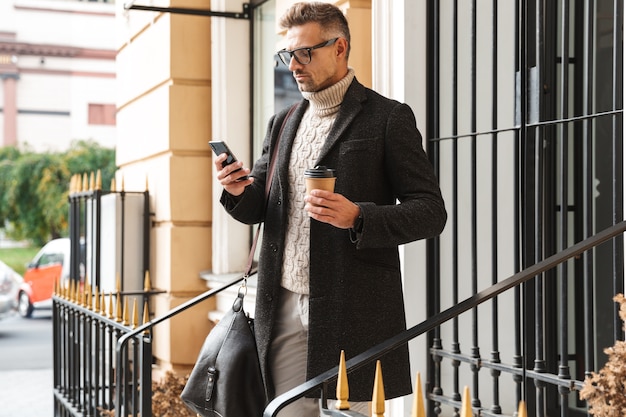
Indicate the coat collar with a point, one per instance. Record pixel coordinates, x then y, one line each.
350 108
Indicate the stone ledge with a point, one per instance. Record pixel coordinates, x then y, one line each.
215 280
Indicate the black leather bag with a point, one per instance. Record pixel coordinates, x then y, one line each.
226 379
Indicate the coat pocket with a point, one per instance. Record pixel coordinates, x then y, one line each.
358 145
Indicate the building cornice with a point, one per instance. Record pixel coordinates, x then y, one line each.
69 8
44 50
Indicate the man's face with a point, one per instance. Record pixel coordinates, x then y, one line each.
328 64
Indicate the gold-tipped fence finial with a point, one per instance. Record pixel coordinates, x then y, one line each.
378 396
103 312
88 295
92 181
61 289
81 295
125 321
521 410
112 188
85 182
466 403
110 312
135 317
71 293
98 180
74 184
96 299
118 307
342 385
118 299
147 285
146 315
419 408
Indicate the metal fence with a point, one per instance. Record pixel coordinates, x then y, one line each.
103 355
97 366
93 372
526 133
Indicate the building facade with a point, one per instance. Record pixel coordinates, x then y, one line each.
57 73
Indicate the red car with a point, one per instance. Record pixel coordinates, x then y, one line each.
50 265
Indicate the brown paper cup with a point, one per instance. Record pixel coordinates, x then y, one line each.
327 184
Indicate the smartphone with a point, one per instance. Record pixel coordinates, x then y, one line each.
220 147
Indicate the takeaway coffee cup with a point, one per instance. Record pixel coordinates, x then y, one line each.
320 178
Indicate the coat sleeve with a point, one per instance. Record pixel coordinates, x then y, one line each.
420 211
249 207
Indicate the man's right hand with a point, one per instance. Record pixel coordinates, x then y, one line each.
229 179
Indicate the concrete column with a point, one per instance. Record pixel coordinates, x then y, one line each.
9 82
230 90
359 16
163 126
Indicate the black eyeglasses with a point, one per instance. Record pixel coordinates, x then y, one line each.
302 55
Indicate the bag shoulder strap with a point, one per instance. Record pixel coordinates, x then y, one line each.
268 186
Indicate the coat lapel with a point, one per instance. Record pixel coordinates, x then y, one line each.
350 108
286 144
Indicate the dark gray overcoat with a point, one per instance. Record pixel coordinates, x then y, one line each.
356 296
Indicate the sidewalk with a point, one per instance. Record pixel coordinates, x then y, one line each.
26 393
8 243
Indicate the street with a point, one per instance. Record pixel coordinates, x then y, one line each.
26 366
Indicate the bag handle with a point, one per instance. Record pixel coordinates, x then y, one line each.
268 186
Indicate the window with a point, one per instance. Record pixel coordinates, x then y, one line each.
101 114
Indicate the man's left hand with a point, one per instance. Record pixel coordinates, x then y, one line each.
331 208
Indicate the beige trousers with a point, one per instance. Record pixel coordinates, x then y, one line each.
288 355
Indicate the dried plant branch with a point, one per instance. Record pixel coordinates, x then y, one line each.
605 391
166 401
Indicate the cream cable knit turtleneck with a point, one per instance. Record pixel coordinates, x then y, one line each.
312 132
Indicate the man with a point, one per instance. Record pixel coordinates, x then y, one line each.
329 269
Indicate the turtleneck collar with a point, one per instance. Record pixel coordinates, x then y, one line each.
326 102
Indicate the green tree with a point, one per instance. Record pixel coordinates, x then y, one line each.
28 209
8 156
87 157
34 187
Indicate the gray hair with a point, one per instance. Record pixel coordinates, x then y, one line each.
328 16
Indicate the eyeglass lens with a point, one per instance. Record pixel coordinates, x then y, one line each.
302 55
